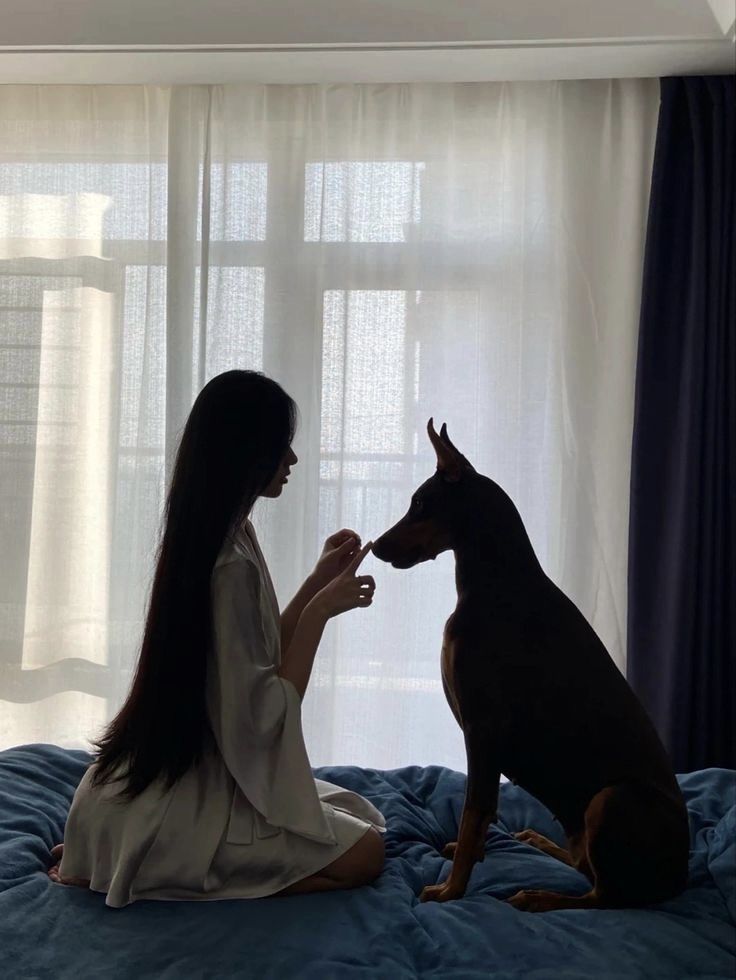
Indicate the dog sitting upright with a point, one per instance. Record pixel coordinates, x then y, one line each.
540 700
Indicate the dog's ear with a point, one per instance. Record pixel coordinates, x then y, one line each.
447 441
449 461
450 444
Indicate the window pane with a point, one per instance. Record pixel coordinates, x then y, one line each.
363 371
235 298
238 202
143 381
362 201
390 359
48 200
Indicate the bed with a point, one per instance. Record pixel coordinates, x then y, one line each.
49 930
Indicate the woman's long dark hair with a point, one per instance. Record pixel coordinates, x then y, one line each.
237 434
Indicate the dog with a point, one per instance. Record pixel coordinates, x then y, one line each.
540 700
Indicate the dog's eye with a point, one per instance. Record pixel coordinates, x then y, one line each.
416 506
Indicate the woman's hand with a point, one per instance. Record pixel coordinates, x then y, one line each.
339 550
346 590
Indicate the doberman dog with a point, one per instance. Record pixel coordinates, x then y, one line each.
540 700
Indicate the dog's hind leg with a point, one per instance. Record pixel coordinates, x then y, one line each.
479 809
532 900
634 849
638 844
575 855
545 845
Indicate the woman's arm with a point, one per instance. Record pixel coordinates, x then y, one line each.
290 616
298 657
340 548
345 591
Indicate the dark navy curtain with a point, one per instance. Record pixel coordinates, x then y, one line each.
682 540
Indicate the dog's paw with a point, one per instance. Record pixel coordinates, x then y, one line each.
449 851
439 893
531 837
528 900
534 900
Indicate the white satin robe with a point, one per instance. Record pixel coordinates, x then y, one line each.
249 819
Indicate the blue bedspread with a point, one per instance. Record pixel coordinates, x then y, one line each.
380 931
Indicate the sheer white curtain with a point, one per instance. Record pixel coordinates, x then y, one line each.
471 252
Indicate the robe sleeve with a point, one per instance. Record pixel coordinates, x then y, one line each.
255 714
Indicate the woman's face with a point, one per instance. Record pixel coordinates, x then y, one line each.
280 478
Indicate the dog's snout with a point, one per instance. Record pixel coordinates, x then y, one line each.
379 548
400 546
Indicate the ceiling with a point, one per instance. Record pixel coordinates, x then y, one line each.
40 22
361 40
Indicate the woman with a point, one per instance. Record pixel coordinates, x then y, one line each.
201 788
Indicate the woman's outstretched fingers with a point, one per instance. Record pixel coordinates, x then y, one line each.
344 534
366 587
355 563
347 590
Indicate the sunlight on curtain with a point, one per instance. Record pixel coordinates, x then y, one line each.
471 252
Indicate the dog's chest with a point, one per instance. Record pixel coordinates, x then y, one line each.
447 661
448 682
447 668
448 648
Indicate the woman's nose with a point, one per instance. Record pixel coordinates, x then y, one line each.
293 458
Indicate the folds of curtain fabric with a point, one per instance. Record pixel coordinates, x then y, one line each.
471 252
682 549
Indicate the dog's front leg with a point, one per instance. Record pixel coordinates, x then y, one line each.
479 810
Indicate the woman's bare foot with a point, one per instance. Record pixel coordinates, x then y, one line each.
57 853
